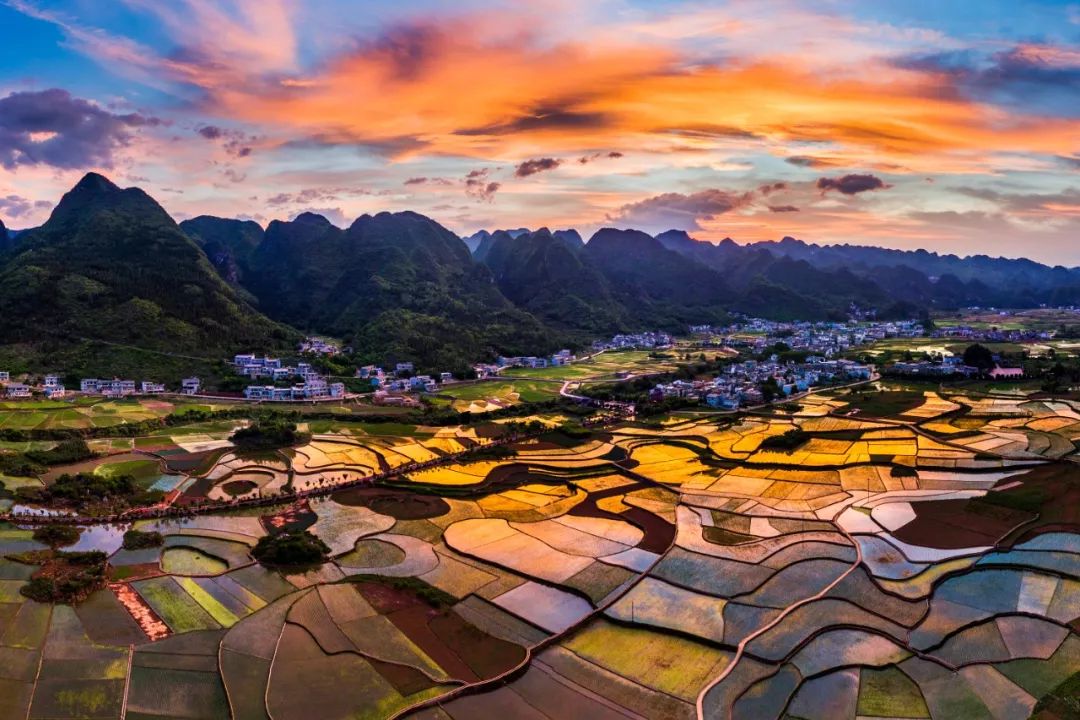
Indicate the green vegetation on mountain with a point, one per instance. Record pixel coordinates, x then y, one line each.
111 286
110 269
659 287
550 277
394 286
227 243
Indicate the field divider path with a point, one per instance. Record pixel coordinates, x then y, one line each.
740 650
158 512
40 663
127 679
533 650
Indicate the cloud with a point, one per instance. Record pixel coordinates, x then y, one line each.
478 186
531 167
427 181
16 206
851 184
811 162
1030 76
411 89
236 142
51 127
1070 161
614 154
1047 205
316 195
770 188
782 208
678 211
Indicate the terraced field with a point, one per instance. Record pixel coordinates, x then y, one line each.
917 559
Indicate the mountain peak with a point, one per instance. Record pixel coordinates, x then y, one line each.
96 192
95 184
570 236
311 219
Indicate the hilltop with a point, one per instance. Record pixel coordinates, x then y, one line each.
110 269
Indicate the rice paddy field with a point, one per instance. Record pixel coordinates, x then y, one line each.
918 558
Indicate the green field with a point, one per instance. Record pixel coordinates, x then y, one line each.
78 413
501 392
604 365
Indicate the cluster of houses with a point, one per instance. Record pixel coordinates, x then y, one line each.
992 334
559 359
319 346
950 367
13 390
124 388
310 386
828 339
636 341
52 387
401 379
741 383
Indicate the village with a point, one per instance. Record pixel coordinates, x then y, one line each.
751 382
818 338
812 356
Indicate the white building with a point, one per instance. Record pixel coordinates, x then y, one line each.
189 386
18 390
117 388
152 388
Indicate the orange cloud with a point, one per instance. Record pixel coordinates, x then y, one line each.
451 90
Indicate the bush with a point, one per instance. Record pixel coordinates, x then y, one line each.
68 451
269 434
787 442
139 540
291 548
84 490
57 535
67 577
574 430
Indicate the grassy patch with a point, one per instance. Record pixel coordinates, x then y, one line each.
221 614
890 693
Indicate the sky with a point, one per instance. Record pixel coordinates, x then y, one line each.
952 126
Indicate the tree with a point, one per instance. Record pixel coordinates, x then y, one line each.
979 356
291 548
139 540
57 535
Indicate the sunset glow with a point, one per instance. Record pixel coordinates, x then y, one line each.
736 119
